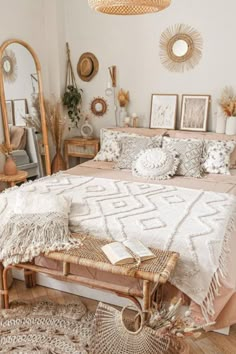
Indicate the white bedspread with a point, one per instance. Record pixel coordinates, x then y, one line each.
195 223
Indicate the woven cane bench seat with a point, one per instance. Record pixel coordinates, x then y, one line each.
152 272
91 255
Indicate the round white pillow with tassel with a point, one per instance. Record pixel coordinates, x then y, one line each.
155 163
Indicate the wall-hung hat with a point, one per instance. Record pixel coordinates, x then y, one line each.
87 66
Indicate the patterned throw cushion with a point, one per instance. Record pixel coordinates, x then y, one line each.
216 156
155 163
190 154
131 146
110 145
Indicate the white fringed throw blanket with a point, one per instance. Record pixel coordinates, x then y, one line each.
33 223
195 223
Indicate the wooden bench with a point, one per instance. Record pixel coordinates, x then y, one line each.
153 272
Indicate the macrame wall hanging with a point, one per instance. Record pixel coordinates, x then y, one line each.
73 95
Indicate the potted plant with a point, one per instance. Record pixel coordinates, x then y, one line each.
123 99
72 97
228 104
72 100
9 168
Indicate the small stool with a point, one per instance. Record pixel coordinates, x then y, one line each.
21 176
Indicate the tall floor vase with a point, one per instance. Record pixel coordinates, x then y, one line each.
58 162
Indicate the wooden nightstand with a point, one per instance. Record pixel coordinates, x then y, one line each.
21 176
80 147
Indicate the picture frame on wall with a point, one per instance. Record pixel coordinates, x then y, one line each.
10 112
20 110
163 111
194 112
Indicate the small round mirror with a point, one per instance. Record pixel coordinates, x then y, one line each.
7 65
98 107
180 48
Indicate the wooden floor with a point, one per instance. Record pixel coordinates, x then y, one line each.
210 343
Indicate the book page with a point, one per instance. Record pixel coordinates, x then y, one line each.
138 248
117 253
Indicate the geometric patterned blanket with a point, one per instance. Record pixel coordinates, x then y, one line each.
195 223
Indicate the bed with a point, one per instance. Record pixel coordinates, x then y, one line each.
225 303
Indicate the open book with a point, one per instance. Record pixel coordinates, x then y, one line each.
118 253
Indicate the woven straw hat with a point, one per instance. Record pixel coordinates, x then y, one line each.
87 66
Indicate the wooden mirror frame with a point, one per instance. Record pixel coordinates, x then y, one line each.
41 99
104 104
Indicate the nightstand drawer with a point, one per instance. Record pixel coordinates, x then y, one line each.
79 147
82 150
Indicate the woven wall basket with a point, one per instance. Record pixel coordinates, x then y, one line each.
110 333
128 7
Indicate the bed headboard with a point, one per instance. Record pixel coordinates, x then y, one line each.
182 134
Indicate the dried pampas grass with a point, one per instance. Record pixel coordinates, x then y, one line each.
228 102
56 122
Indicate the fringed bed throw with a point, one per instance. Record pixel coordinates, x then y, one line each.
26 236
36 223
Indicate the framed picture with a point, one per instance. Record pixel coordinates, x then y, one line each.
20 110
10 113
194 114
163 111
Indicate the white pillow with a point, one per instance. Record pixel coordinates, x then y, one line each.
110 145
155 164
216 157
41 203
131 147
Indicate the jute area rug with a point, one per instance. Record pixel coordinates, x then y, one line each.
45 327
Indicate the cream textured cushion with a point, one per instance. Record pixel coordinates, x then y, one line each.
190 155
110 145
131 147
155 164
216 157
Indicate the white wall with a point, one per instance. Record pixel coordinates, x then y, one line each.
132 43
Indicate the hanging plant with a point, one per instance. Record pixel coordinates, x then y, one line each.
72 98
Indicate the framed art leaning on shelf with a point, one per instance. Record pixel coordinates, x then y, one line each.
163 111
194 113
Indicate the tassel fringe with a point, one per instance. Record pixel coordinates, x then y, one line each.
207 307
26 236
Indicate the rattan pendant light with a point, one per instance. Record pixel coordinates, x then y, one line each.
128 7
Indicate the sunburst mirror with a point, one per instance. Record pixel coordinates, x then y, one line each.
180 47
9 65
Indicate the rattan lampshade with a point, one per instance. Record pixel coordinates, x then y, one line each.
128 7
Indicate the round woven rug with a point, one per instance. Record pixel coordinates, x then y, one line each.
45 327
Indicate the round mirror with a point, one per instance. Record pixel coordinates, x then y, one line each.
22 108
6 65
180 48
98 106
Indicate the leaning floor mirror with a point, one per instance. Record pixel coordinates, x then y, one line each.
22 107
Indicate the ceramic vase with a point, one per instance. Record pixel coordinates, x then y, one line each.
122 115
220 124
10 168
58 163
230 126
